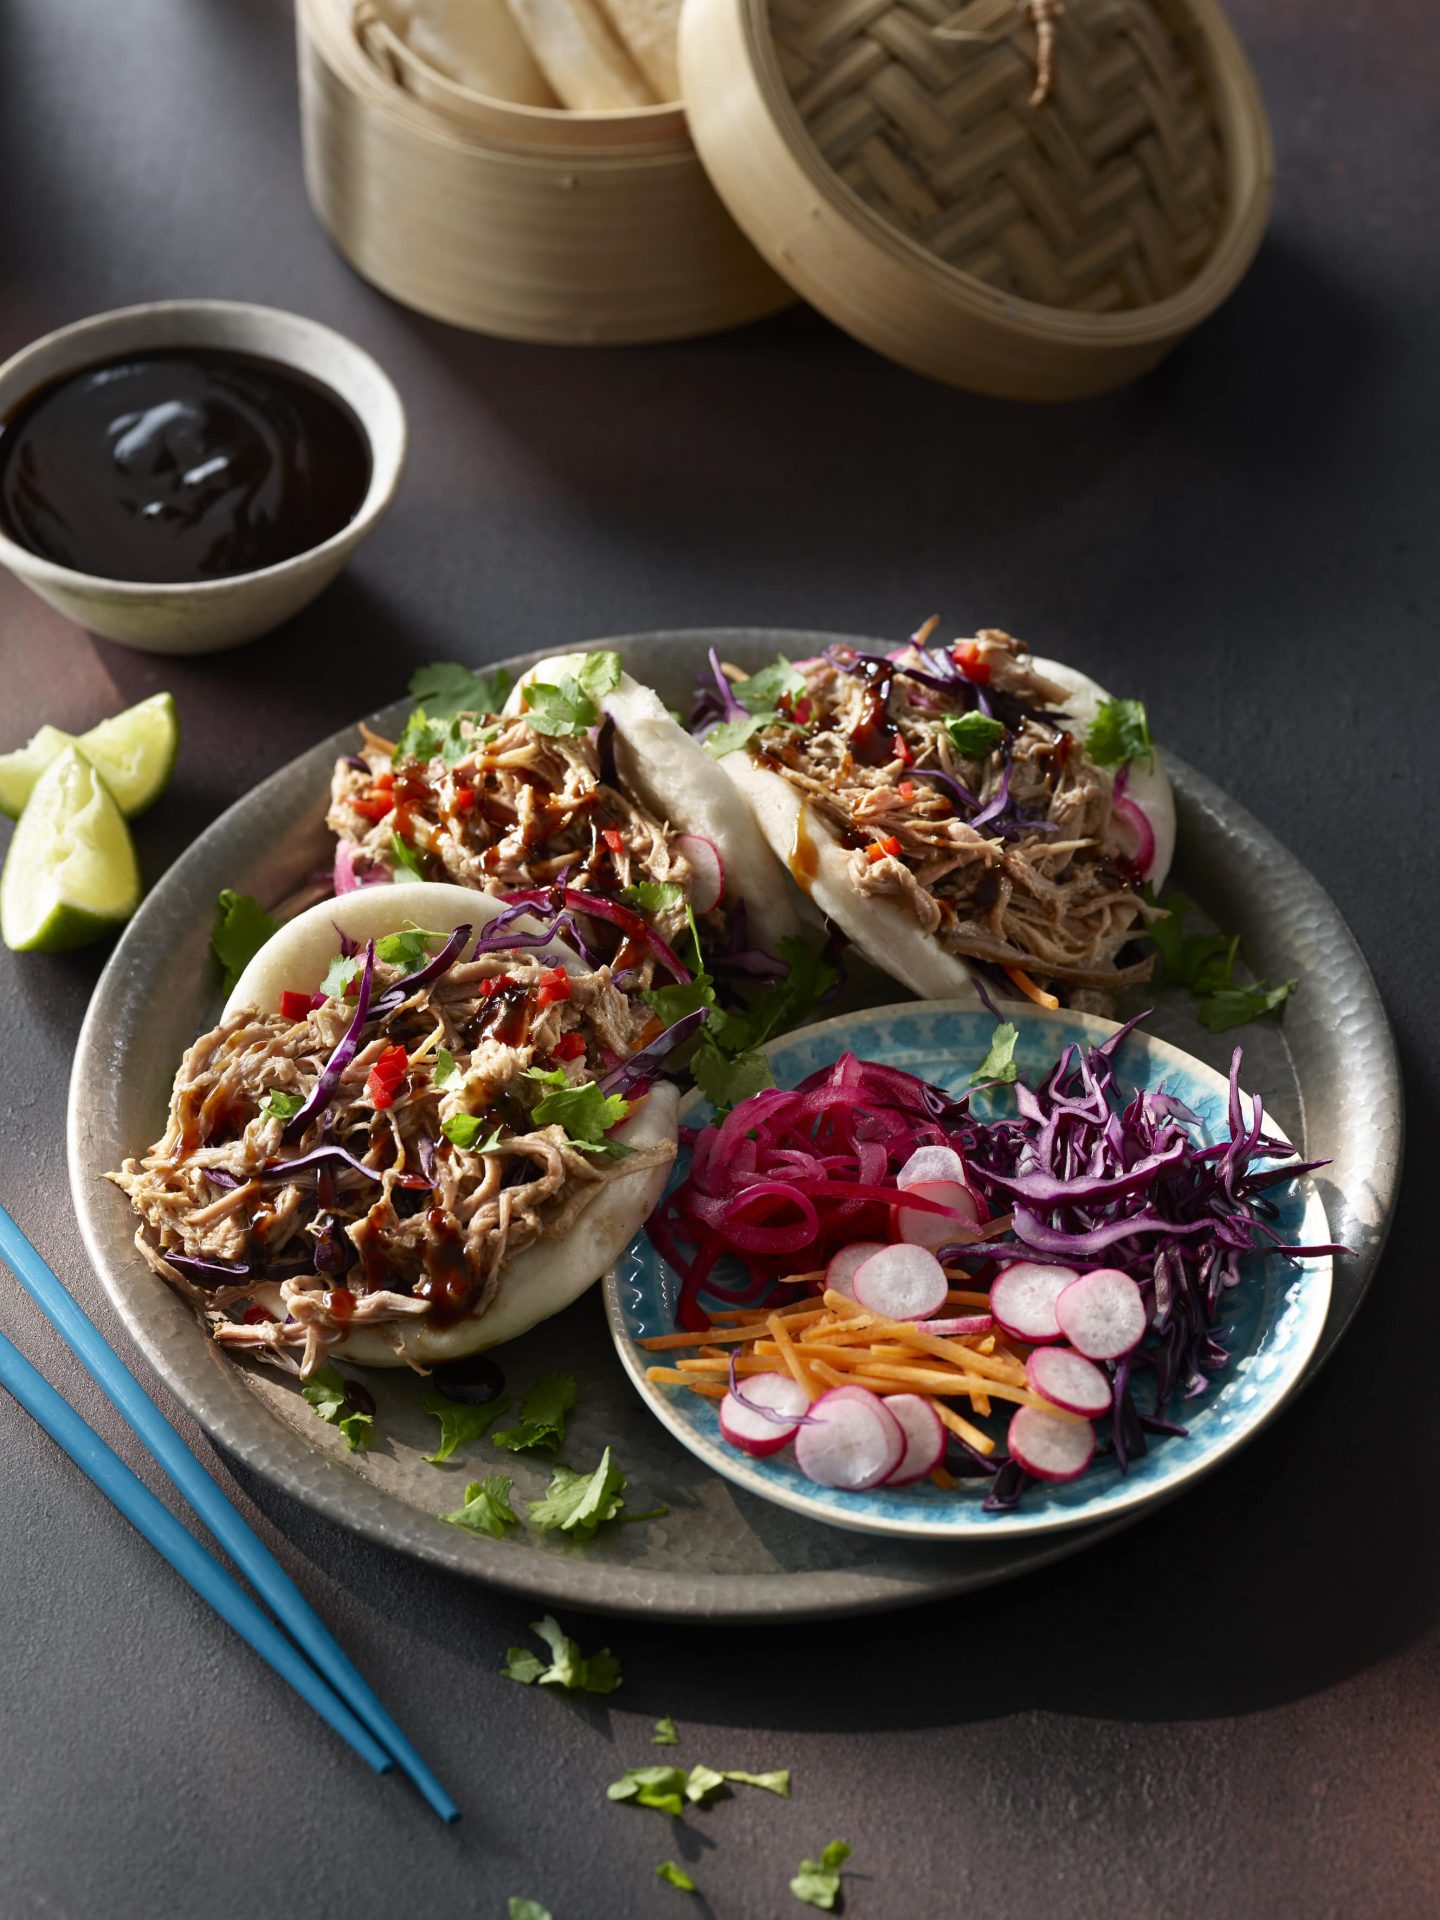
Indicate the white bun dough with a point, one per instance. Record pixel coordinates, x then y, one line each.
547 1276
681 784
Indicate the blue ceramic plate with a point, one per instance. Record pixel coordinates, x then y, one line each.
1270 1323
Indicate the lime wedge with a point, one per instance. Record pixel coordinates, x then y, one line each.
134 753
71 875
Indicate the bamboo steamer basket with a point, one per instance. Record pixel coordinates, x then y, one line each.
528 222
887 159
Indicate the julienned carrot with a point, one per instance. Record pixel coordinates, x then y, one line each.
793 1362
1027 986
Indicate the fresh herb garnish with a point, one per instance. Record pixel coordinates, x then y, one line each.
406 949
1120 732
676 1876
464 1129
242 926
429 738
487 1507
1205 963
330 1394
528 1910
279 1105
460 1422
660 1787
777 1782
728 1066
654 896
445 1067
665 1734
760 696
585 1113
726 1082
572 705
542 1415
999 1062
578 1503
445 688
974 735
567 1666
818 1881
405 857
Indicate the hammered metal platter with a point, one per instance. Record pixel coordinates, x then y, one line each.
1329 1075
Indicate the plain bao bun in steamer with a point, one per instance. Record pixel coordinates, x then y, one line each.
671 773
883 927
548 1275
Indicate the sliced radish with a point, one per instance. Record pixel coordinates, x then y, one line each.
708 888
902 1282
850 1440
1102 1314
752 1432
1050 1447
840 1274
962 1326
1070 1380
925 1229
1023 1296
924 1437
931 1163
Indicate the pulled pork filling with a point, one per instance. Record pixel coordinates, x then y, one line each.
519 809
1012 855
375 1213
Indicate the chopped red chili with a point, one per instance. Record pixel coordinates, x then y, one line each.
570 1046
878 849
385 1076
613 839
295 1005
489 988
972 663
464 799
906 790
255 1314
900 746
554 985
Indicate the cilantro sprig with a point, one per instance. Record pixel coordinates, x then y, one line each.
444 688
542 1415
675 1875
1120 732
585 1113
974 735
580 1503
572 704
339 1404
242 926
279 1105
487 1507
567 1667
460 1421
999 1062
1205 963
818 1881
760 695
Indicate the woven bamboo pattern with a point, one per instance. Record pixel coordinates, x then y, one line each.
1106 197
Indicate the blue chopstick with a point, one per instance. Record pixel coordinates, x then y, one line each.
189 1559
233 1532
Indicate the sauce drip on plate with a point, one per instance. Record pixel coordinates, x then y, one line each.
181 465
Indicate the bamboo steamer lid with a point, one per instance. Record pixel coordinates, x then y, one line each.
894 160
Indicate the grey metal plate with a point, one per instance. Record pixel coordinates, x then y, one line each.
1329 1075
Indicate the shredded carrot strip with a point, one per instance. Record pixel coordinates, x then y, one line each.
961 1297
945 1481
1028 987
788 1354
957 1424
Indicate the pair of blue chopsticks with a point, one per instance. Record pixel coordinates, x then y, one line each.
336 1691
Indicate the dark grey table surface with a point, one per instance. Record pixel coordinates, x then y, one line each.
1232 1709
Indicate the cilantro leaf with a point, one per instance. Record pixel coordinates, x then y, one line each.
427 738
329 1393
279 1105
999 1062
660 1787
542 1415
727 1065
445 1068
673 1003
727 736
1230 1007
528 1910
1120 732
778 1782
1205 963
654 896
762 692
725 1079
974 735
665 1734
702 1784
578 1503
818 1881
572 704
487 1507
407 860
568 1668
445 688
463 1130
585 1113
342 970
460 1422
676 1876
242 926
408 949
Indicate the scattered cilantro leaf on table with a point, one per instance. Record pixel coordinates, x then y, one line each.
585 1113
567 1667
460 1422
818 1881
660 1787
665 1734
242 926
1120 732
578 1503
542 1415
328 1392
777 1782
974 735
1205 963
999 1062
676 1876
279 1105
1237 1006
487 1507
703 1784
528 1910
445 688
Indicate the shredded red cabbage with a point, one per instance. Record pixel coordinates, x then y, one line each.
425 976
323 1090
628 921
644 1065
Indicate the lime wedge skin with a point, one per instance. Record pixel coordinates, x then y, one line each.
134 753
71 875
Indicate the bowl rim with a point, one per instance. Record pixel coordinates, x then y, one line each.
382 420
1247 148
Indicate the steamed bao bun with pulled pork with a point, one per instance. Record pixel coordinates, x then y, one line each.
963 814
405 1141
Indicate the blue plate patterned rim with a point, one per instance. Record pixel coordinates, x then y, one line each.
1271 1322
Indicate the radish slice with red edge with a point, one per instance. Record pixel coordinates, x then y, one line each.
1070 1380
1050 1446
1102 1314
849 1441
924 1437
924 1229
962 1326
708 887
929 1164
902 1282
1023 1296
840 1274
751 1431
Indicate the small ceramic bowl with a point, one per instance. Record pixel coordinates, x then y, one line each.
205 615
